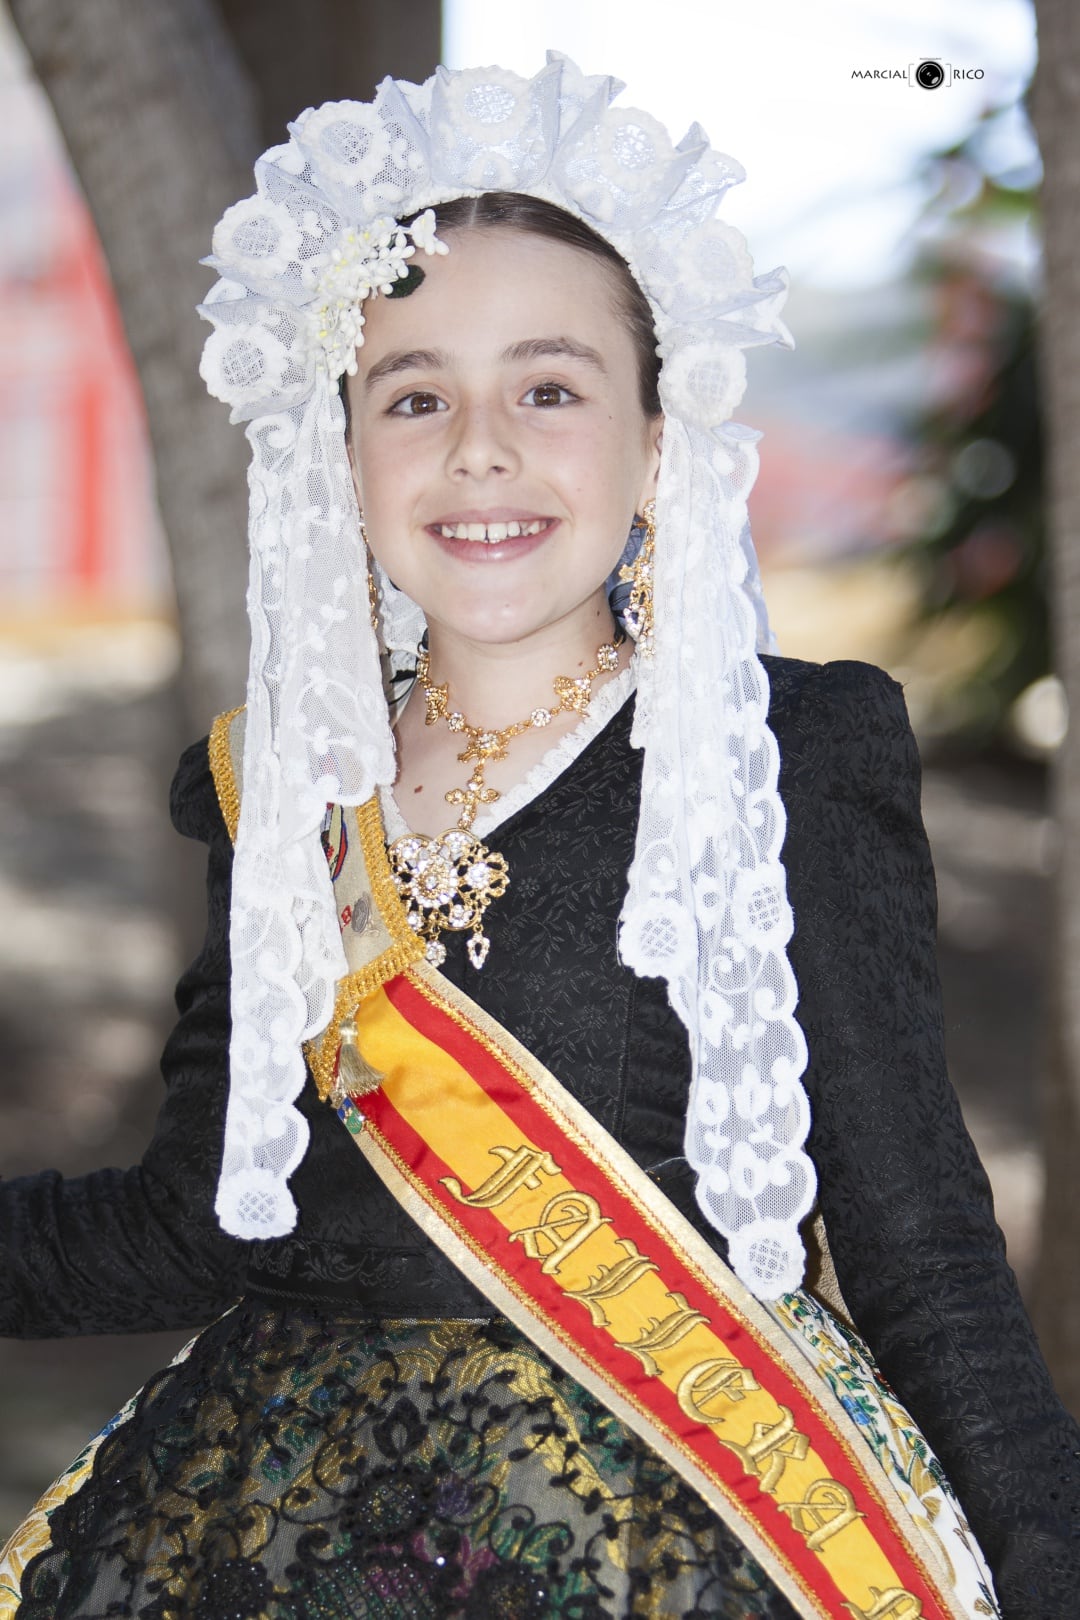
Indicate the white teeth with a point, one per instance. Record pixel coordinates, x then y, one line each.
490 534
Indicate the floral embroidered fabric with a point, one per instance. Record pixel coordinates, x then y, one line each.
305 1466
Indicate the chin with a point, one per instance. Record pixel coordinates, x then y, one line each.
480 615
494 632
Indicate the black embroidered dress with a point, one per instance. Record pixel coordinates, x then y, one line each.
359 1435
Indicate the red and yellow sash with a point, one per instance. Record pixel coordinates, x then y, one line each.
542 1210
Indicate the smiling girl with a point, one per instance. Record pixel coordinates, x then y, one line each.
504 431
557 1121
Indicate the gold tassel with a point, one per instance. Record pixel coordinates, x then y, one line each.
354 1075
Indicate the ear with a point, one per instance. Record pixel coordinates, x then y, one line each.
655 436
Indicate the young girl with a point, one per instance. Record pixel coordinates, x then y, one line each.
584 1108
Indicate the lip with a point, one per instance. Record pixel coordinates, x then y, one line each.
492 551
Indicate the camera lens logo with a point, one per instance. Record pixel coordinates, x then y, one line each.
930 75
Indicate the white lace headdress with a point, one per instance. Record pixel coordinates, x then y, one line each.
706 905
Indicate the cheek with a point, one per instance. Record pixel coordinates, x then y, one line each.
382 471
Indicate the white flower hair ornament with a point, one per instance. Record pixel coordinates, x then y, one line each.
706 905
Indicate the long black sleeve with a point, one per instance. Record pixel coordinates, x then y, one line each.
906 1202
121 1251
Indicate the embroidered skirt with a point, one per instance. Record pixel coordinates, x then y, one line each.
297 1465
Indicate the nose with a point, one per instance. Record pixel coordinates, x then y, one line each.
483 442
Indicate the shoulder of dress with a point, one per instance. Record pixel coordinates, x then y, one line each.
844 686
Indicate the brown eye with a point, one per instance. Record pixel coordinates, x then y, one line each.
418 404
549 394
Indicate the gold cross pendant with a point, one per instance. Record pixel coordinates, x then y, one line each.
471 797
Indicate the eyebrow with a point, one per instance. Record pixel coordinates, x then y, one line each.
406 360
553 348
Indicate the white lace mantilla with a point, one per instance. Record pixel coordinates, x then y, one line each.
706 905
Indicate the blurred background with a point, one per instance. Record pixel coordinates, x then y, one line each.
900 512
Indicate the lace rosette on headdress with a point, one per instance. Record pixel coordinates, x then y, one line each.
706 904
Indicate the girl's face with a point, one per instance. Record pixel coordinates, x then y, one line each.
498 442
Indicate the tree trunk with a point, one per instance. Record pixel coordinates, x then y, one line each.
336 50
1056 108
159 119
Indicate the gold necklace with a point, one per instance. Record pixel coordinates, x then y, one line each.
448 882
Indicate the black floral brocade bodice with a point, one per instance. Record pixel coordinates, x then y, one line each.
906 1204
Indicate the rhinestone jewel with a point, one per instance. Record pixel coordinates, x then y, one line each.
541 717
447 884
434 883
478 948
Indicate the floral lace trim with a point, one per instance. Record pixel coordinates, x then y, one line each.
846 1366
603 708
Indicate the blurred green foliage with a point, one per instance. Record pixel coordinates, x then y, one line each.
977 448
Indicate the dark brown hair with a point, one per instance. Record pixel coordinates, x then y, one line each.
513 210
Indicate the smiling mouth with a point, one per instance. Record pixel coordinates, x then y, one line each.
492 534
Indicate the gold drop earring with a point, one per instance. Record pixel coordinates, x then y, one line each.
638 616
372 588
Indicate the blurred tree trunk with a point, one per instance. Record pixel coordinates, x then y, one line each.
159 119
1056 109
329 50
164 107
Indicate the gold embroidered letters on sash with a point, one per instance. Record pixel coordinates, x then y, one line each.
770 1449
719 1375
567 1220
711 1387
611 1281
521 1167
662 1333
894 1604
827 1508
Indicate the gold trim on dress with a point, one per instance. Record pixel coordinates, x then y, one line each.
221 768
404 949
